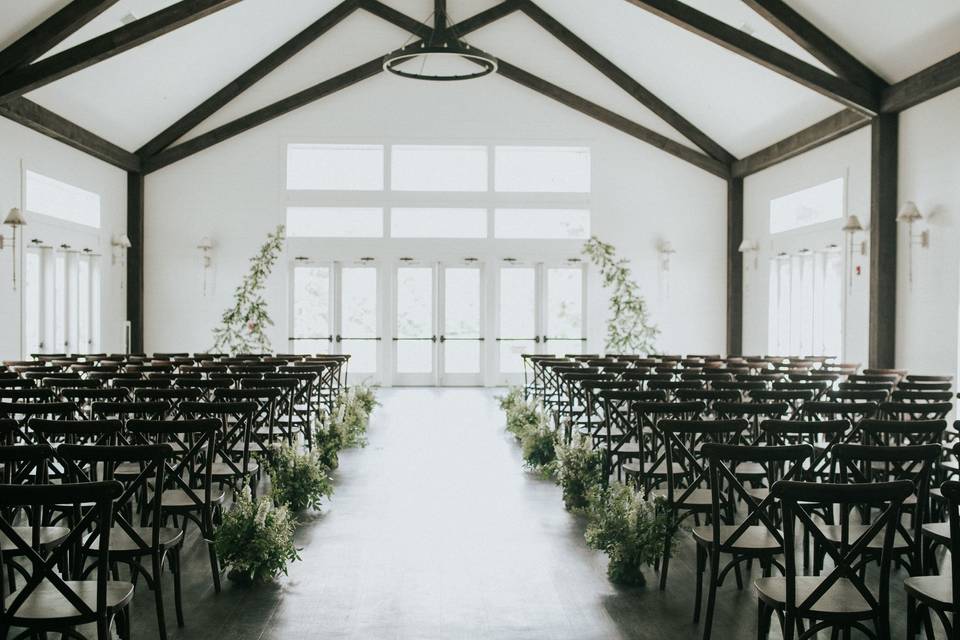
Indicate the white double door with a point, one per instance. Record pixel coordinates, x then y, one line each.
438 324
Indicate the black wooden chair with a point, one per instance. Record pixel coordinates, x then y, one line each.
49 601
841 600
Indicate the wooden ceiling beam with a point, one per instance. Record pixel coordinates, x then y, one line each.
51 32
43 72
248 78
623 80
263 115
923 85
42 120
735 40
396 18
485 17
816 43
827 130
612 119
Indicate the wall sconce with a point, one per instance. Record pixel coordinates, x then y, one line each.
665 249
205 246
750 246
851 227
14 219
909 214
120 244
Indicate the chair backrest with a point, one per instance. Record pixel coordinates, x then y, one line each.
848 555
680 442
127 410
779 463
951 493
823 436
899 432
92 525
27 394
852 411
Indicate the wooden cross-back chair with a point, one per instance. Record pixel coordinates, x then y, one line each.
650 469
840 600
794 398
49 601
620 434
234 465
593 425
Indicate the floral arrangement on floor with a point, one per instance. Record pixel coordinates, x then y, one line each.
256 539
328 440
298 480
243 327
630 530
629 329
351 415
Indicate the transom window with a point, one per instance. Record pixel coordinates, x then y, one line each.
458 191
821 203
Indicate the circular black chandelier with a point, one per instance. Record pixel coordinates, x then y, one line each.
442 44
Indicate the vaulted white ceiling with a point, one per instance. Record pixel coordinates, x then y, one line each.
133 96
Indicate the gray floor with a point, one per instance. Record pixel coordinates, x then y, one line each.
435 531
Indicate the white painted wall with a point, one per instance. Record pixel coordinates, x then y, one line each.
848 157
927 310
20 146
234 193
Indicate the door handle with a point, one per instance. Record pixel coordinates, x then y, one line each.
433 338
443 338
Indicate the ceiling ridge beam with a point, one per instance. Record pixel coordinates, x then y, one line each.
248 78
43 72
820 133
758 51
51 32
922 86
623 80
613 119
42 120
263 115
815 42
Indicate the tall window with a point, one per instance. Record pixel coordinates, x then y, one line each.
806 292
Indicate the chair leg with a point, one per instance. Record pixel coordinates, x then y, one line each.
701 561
712 594
158 594
214 566
177 594
103 628
666 564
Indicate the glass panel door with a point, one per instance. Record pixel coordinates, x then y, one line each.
311 328
461 330
358 335
415 335
33 323
518 319
564 331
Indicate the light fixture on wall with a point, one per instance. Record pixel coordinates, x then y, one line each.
748 245
205 246
665 250
850 228
436 51
908 215
119 244
14 219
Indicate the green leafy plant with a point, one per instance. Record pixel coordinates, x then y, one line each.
629 329
298 480
243 327
352 417
511 399
579 472
328 440
522 417
539 444
364 395
630 530
256 539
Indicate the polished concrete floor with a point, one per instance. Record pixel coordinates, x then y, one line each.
435 531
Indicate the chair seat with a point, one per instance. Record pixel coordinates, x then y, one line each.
759 493
833 532
931 589
697 497
750 469
47 603
223 470
627 449
254 447
754 538
937 531
659 470
841 598
178 499
49 537
122 542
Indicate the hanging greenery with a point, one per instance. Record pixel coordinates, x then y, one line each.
243 327
629 329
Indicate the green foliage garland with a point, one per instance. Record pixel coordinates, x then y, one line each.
256 538
297 480
243 326
629 329
579 472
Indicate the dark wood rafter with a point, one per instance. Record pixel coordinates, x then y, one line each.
248 78
827 130
734 267
459 29
40 73
816 43
51 32
397 18
263 115
42 120
883 241
922 86
613 119
735 40
626 82
135 255
484 18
